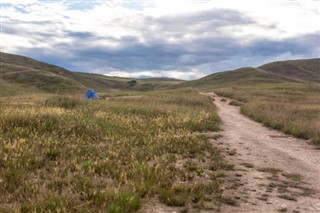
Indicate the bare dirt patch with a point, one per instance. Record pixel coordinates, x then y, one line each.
273 172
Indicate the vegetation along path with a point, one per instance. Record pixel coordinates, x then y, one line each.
273 172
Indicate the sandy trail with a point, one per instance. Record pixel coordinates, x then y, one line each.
267 166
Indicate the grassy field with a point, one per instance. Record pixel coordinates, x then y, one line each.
293 108
66 154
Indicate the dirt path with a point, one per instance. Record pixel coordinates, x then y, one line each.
273 172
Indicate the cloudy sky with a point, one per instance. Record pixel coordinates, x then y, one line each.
173 38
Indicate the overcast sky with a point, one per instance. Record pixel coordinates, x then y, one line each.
172 38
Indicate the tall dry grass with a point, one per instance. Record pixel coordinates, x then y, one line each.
65 154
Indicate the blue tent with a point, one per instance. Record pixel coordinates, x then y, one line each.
91 94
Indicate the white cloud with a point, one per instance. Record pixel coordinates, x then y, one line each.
290 17
180 35
183 75
20 2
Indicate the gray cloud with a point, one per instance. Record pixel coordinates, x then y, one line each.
133 56
162 44
299 45
200 22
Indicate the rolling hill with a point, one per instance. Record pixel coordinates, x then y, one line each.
22 75
298 71
307 70
239 77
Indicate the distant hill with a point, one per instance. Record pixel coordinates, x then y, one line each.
303 70
239 77
300 71
22 75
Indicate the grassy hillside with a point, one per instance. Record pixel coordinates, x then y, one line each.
304 70
26 62
21 72
239 77
104 83
38 78
7 89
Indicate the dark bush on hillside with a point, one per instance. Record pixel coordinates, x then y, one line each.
132 83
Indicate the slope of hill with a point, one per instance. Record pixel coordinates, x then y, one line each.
103 83
239 77
305 70
298 71
18 71
38 78
22 75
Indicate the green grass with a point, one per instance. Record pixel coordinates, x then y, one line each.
60 153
